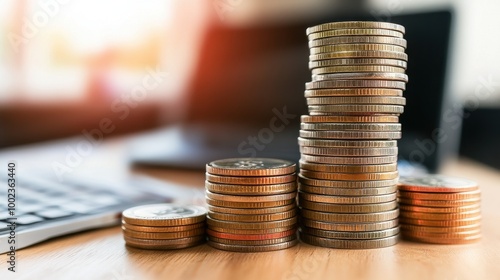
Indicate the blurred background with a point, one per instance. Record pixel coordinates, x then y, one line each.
65 64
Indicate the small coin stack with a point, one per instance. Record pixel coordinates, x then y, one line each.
348 169
440 209
164 226
251 203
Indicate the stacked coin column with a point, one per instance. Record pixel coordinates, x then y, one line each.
348 169
251 204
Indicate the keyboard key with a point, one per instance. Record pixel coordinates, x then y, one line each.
53 213
28 208
28 219
80 207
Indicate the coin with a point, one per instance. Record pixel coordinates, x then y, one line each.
439 240
162 229
350 134
251 189
252 231
164 215
163 235
355 32
441 196
258 211
347 199
439 203
335 92
349 176
348 168
376 127
357 100
252 242
262 248
438 223
250 167
253 218
358 62
364 75
351 235
251 236
436 183
441 216
349 226
347 184
473 227
356 47
355 152
348 208
262 225
357 108
164 244
356 69
358 40
355 24
343 84
348 160
347 143
349 119
349 243
359 54
347 191
269 180
239 198
451 235
350 217
411 208
232 204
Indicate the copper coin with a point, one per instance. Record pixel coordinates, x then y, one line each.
250 249
348 168
347 199
349 226
249 205
439 203
437 183
347 191
163 235
350 217
252 242
251 237
250 211
349 243
439 240
269 180
348 208
441 196
350 176
469 228
252 231
411 208
240 198
251 189
164 215
441 216
250 167
351 234
252 226
346 184
165 244
162 229
441 223
253 218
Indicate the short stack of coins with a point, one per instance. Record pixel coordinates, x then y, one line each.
251 204
348 169
440 209
164 226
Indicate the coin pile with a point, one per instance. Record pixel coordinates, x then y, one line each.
251 204
440 209
348 169
164 226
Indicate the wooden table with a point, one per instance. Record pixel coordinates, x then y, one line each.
101 254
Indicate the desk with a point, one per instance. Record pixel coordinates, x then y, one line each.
101 254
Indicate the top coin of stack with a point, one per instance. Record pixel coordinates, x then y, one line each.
348 175
440 209
164 226
251 203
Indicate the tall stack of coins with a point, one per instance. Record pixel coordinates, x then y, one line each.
251 203
440 209
164 226
348 169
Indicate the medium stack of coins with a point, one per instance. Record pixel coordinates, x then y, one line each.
252 204
348 169
440 209
164 226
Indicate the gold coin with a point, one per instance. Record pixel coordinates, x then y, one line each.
439 203
335 92
348 160
347 191
347 143
348 168
252 231
351 234
357 108
355 24
349 226
437 223
232 204
251 189
163 235
348 119
358 40
412 208
329 134
343 84
164 215
233 180
376 127
441 216
441 196
253 218
358 62
259 211
356 69
392 100
348 208
364 76
250 167
262 198
355 152
439 240
347 184
474 227
261 248
260 225
349 243
166 244
349 176
347 199
355 32
252 242
162 229
356 47
436 183
359 54
350 217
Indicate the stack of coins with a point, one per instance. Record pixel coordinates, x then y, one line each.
164 226
348 169
252 204
440 209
